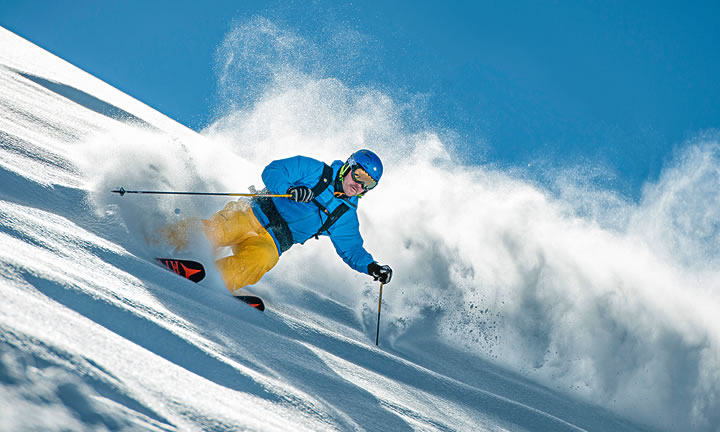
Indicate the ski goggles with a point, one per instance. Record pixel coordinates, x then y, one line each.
361 176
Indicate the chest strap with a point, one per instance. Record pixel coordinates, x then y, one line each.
332 217
326 179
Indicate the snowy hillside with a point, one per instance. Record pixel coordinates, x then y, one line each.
508 311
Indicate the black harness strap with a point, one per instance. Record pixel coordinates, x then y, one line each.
332 218
276 223
324 182
280 227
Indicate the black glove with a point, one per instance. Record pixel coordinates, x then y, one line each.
382 273
301 194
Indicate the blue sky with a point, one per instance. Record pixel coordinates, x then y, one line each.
613 84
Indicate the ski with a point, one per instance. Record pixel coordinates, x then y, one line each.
252 301
188 269
194 271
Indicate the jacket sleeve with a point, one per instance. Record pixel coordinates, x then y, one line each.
280 174
348 242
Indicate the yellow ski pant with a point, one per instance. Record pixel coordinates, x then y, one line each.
254 251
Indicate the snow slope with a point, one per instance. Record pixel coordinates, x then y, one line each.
94 336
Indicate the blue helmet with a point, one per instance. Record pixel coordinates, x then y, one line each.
369 161
365 168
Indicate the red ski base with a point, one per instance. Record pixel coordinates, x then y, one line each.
191 270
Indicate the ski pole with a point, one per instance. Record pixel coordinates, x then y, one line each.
122 192
377 334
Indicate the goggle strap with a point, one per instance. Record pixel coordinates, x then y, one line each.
344 170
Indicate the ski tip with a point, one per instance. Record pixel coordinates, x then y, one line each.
252 301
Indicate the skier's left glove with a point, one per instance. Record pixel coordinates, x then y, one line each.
383 273
301 194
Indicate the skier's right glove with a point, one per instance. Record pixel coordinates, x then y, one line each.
301 194
383 273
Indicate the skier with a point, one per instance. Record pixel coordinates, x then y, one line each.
324 200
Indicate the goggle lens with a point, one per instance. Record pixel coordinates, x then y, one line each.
361 176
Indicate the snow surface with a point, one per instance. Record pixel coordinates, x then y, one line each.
512 309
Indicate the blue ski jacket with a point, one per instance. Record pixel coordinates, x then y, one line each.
305 219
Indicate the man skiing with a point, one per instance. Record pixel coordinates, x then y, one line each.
323 201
